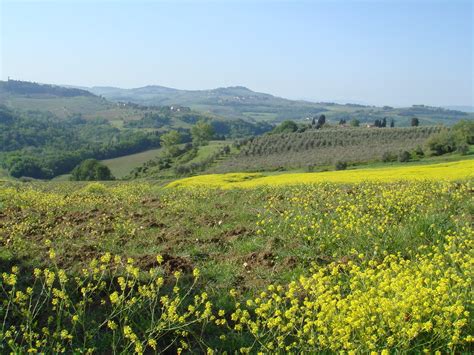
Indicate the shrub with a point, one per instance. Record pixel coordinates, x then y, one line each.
388 157
285 127
465 131
463 149
91 170
404 156
442 143
170 141
418 152
341 165
355 122
201 133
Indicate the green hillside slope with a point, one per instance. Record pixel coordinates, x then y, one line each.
241 102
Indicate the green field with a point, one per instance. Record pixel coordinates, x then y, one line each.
122 166
280 254
380 266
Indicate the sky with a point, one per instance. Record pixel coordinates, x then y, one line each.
386 52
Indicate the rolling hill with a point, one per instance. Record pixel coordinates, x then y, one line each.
46 130
241 102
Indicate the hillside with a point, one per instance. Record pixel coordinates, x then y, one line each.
325 147
458 170
382 264
67 102
46 130
241 102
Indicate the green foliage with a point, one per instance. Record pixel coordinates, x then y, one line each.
323 147
389 157
29 88
201 133
319 123
355 122
28 167
285 127
464 131
404 156
415 122
91 170
238 128
40 145
149 120
341 165
457 138
379 252
170 141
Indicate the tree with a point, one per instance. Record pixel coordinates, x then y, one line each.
388 157
404 156
384 122
341 165
201 133
355 122
392 123
28 167
464 130
286 127
448 140
170 141
91 170
319 123
415 122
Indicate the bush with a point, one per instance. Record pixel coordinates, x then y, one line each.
404 156
442 143
355 122
464 129
388 157
285 127
341 165
418 152
463 149
91 170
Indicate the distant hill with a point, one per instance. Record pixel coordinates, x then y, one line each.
460 108
30 89
231 102
241 102
228 103
61 101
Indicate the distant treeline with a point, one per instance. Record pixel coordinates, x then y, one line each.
222 128
29 88
39 145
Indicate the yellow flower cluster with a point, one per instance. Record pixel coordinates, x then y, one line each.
444 171
392 269
119 294
338 220
365 306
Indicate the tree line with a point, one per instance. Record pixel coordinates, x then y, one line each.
39 145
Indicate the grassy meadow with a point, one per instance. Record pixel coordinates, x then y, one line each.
121 166
318 265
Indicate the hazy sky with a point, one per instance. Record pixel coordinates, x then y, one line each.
394 52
